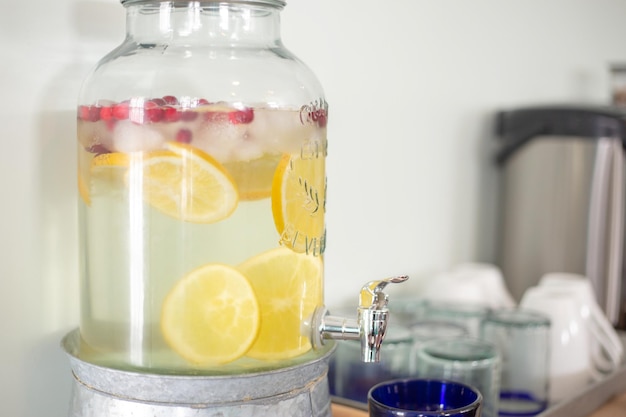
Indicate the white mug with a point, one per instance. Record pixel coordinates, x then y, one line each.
607 349
489 279
475 283
571 364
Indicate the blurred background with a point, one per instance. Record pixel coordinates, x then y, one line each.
413 87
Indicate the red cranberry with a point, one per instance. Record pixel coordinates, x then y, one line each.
106 113
83 112
322 119
171 100
120 111
319 116
97 149
89 113
188 115
170 114
159 101
241 116
183 136
202 102
215 116
152 112
94 113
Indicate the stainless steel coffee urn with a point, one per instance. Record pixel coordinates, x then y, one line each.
562 198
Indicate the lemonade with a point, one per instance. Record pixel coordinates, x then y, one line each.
202 233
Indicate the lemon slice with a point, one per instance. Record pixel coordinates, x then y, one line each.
182 182
299 203
84 175
83 189
106 173
97 171
111 166
211 316
288 287
254 178
188 184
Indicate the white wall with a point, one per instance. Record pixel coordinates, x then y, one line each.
413 86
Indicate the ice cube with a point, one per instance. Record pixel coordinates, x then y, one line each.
280 130
96 134
131 137
226 141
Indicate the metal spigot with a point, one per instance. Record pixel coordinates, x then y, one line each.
369 327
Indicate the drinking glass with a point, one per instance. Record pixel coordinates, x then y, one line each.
466 360
407 310
523 340
423 331
423 398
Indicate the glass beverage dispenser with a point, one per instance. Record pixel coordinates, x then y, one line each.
202 146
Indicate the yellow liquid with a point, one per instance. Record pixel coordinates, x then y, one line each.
132 256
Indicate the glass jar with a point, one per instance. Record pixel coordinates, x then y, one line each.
202 146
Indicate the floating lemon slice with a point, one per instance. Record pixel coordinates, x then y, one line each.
211 316
299 203
106 173
254 178
182 182
188 184
83 189
112 166
84 175
288 287
97 171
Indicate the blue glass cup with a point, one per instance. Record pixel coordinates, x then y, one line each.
424 398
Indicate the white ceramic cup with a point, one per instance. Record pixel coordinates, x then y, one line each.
572 366
489 279
475 283
607 349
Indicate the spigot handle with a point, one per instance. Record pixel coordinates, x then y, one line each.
370 326
372 295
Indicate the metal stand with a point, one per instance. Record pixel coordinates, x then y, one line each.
299 391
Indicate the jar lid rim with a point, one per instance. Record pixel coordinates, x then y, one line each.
275 3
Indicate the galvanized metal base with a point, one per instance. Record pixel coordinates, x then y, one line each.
299 391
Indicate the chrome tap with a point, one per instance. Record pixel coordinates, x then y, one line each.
370 325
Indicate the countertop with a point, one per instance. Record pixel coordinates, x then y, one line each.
615 407
345 411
